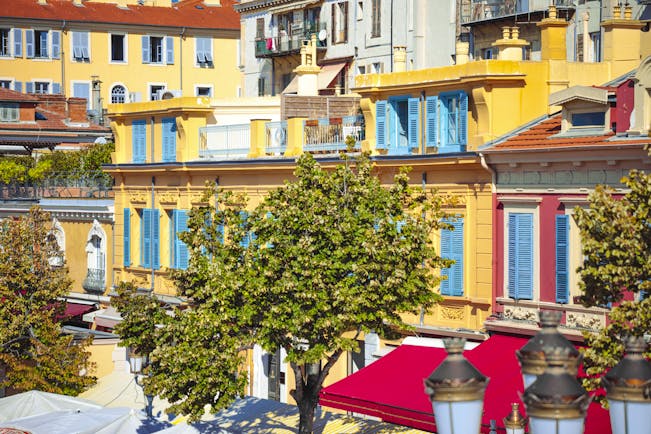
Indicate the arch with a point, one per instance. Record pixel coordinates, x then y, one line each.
96 258
58 236
119 94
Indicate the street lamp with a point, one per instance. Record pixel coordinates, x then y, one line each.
628 388
456 389
556 403
514 422
136 364
531 356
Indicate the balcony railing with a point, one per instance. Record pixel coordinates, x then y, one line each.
283 43
481 10
276 138
329 135
225 141
95 280
61 185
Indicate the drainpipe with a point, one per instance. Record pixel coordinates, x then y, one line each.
423 134
391 37
181 37
63 63
151 242
490 170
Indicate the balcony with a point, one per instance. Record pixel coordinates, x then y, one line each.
95 280
485 10
62 185
225 141
276 133
329 135
284 44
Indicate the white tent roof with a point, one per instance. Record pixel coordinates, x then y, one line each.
71 421
34 402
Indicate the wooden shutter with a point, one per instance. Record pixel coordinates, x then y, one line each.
29 43
462 124
44 45
126 238
18 86
56 43
145 236
452 248
56 88
413 122
29 87
155 238
169 139
18 43
446 248
169 50
524 256
246 239
180 218
562 259
431 109
139 141
344 25
146 49
381 124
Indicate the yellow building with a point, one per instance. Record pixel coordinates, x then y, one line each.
120 51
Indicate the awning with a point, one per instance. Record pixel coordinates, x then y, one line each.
325 78
76 309
109 318
392 387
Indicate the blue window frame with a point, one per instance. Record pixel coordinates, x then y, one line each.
82 90
150 239
80 46
139 140
158 49
520 256
126 240
178 248
453 117
452 248
398 124
562 259
169 139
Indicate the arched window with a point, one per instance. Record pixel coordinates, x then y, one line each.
95 280
57 237
118 94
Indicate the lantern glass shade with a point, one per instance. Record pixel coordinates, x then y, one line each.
135 364
514 430
541 425
628 417
528 379
457 417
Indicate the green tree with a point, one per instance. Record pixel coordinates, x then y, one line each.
326 257
616 239
34 354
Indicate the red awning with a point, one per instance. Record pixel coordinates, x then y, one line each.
392 387
76 309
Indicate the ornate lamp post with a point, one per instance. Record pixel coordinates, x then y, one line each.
136 364
456 389
628 387
514 422
531 356
556 403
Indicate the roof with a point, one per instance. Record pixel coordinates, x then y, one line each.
187 13
15 96
543 136
586 93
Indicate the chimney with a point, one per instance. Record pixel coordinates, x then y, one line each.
461 52
52 102
510 46
77 111
552 37
622 38
308 71
212 2
399 58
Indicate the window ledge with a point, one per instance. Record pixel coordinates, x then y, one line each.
519 199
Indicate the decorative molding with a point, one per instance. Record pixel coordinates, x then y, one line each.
197 198
584 321
452 313
521 313
137 196
169 197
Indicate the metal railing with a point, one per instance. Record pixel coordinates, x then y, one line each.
225 141
95 280
286 43
329 135
276 133
60 185
490 9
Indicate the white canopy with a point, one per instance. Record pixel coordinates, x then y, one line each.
34 402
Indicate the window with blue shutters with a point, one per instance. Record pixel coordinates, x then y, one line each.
453 122
178 248
562 259
169 139
157 49
452 248
249 236
18 42
82 90
81 46
56 44
203 48
150 239
520 256
126 240
413 121
139 141
431 121
380 124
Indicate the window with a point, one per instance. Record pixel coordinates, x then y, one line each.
118 48
376 29
261 86
595 41
259 28
155 91
168 138
447 121
562 259
520 255
339 22
452 248
42 44
57 238
590 119
150 239
5 47
82 90
178 248
378 67
80 46
41 87
157 49
489 53
139 141
18 43
361 70
126 238
9 112
118 94
360 10
5 84
397 124
204 91
95 280
203 49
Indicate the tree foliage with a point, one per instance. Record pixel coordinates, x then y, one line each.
34 353
616 239
329 255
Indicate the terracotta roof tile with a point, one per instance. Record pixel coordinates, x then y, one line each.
14 96
542 136
189 13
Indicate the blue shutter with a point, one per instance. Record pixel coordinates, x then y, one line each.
138 141
146 50
85 46
452 248
44 47
169 139
126 240
413 118
381 124
562 259
29 87
18 43
29 43
246 239
446 251
169 50
145 236
56 88
463 120
512 246
18 86
524 256
180 248
431 105
56 44
155 238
